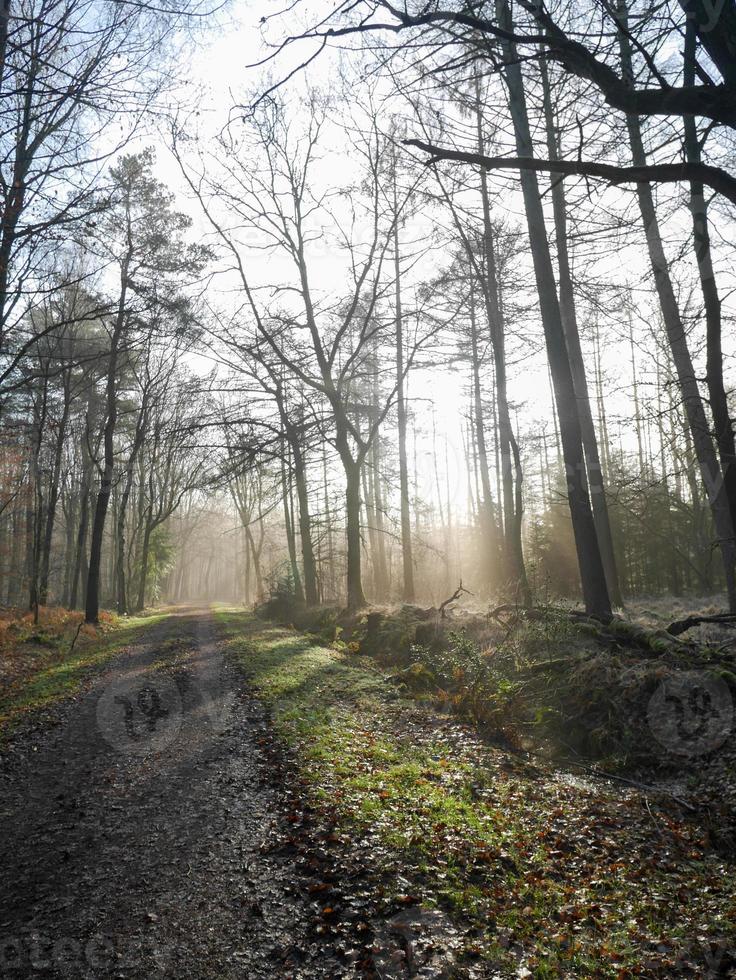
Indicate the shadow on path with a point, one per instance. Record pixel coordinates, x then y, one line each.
132 832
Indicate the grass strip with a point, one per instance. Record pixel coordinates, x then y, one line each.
554 876
43 667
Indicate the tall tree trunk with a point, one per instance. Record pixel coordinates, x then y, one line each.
407 558
593 580
145 552
368 520
122 594
36 501
637 406
81 542
309 565
69 509
53 500
246 569
487 516
255 554
29 530
329 576
14 573
471 469
568 313
34 523
511 473
382 576
722 421
546 474
673 567
601 407
444 526
701 438
290 537
474 482
92 605
355 596
112 550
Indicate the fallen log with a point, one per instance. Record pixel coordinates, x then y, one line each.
682 625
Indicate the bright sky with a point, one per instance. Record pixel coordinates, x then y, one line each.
218 77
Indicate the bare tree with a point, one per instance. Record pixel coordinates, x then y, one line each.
273 192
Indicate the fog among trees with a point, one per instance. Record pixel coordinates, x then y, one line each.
438 296
367 489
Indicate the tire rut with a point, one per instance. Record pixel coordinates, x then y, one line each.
133 831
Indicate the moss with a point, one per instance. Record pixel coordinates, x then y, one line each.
528 862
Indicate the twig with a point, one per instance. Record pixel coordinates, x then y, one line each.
460 590
79 630
654 821
657 790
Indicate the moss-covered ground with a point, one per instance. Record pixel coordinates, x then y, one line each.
545 873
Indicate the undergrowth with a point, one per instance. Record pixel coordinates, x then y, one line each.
549 682
550 877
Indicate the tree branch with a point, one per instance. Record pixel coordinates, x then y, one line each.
713 177
711 101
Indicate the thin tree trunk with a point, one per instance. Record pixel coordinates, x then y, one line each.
637 406
34 520
290 538
577 364
122 595
92 608
514 571
382 585
35 531
475 488
246 569
30 577
305 529
255 554
328 529
702 443
722 421
83 526
593 580
367 504
673 569
51 506
546 475
407 559
602 418
487 518
69 524
355 596
14 573
145 551
466 436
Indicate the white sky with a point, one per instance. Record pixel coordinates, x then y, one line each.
218 76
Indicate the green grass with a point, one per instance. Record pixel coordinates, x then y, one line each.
584 882
53 674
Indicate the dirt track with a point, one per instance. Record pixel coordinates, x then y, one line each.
132 831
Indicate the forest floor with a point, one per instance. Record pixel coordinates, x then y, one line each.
208 795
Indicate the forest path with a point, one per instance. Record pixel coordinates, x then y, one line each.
132 832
